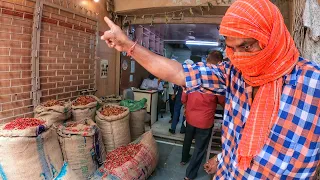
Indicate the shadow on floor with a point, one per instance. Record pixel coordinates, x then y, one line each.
169 167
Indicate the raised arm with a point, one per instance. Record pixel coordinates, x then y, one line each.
159 66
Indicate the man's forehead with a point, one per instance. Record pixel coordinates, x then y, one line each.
234 42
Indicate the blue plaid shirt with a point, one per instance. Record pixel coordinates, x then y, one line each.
292 149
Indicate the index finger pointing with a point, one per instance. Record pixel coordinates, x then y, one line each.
109 22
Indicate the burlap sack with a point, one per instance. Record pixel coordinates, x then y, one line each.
140 167
33 153
115 130
80 113
82 147
54 114
137 127
66 173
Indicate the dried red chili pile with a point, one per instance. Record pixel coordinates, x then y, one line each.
112 111
121 155
83 100
23 123
52 102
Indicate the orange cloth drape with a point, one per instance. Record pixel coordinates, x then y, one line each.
261 20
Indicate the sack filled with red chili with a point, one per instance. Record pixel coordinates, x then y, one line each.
121 155
52 102
112 110
83 100
23 123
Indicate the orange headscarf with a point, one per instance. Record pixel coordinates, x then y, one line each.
261 20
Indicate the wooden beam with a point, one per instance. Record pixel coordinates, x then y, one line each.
210 19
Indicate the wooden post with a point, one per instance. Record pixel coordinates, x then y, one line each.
37 15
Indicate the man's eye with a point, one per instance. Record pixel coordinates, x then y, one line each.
247 47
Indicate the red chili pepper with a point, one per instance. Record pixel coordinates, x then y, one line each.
84 100
52 102
23 123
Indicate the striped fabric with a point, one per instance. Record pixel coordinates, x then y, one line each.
261 20
292 147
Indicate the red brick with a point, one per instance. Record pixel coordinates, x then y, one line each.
80 28
73 21
23 110
10 75
50 9
44 40
28 16
91 31
29 115
56 41
92 22
43 80
75 94
64 83
49 20
21 37
5 83
43 53
80 18
47 73
5 20
27 102
77 61
48 60
5 98
6 5
22 96
88 81
82 87
88 50
50 34
4 35
23 8
72 32
48 85
20 67
71 55
20 82
12 13
26 45
45 92
26 74
50 47
64 96
10 59
64 48
58 17
63 72
68 25
55 91
45 26
55 54
55 79
63 60
4 67
4 51
76 72
26 88
20 22
64 37
26 59
66 14
78 39
12 105
70 88
27 30
20 52
83 66
57 29
46 14
78 50
12 90
83 77
55 66
77 82
5 114
29 3
71 43
68 78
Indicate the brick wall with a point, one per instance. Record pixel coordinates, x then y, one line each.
15 59
67 50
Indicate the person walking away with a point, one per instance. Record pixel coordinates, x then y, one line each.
271 125
200 111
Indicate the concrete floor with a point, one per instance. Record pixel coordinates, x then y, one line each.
169 167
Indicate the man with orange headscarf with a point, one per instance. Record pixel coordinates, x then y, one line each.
271 125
